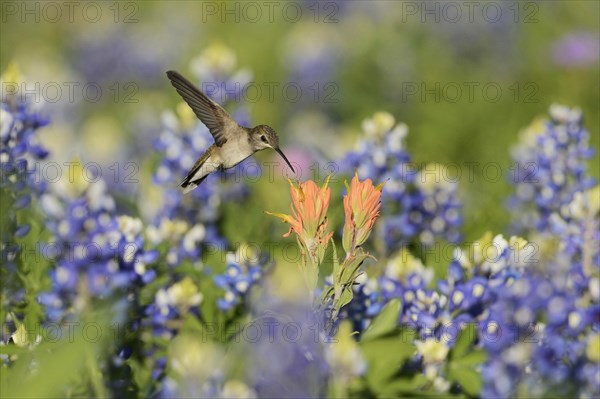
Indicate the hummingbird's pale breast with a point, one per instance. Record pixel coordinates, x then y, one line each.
235 151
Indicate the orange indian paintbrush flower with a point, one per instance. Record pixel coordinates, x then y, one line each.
308 220
361 206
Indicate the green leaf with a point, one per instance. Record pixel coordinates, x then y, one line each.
326 295
12 349
335 259
141 375
385 357
465 338
346 297
208 307
471 359
350 267
385 322
20 384
76 355
466 377
192 324
403 385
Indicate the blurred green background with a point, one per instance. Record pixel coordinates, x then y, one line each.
537 53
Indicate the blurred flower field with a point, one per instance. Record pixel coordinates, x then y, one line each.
435 239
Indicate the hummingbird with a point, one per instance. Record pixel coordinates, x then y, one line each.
233 143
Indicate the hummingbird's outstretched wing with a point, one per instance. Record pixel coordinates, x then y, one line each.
216 119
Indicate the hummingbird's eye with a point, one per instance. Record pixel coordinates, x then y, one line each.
263 138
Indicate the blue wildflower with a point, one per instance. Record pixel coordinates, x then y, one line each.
20 157
549 310
99 254
549 168
238 279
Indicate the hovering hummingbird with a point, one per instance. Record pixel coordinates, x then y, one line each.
233 143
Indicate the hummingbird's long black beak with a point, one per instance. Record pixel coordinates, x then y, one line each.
285 158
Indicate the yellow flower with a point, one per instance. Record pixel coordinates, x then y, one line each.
433 351
185 294
594 199
217 57
379 124
481 247
345 355
19 337
11 75
73 182
235 389
186 116
192 358
403 264
593 348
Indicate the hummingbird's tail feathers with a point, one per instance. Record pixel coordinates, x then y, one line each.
188 188
196 173
190 185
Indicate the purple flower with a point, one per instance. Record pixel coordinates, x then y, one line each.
100 254
238 279
576 49
20 154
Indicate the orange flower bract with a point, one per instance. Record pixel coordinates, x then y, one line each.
309 217
361 207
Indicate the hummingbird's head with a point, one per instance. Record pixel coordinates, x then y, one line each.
264 136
